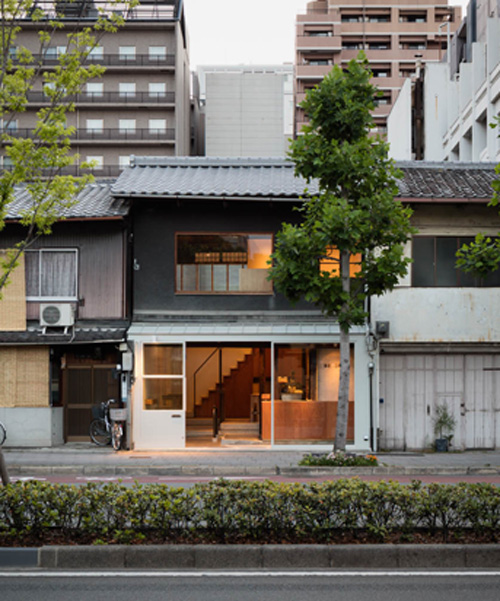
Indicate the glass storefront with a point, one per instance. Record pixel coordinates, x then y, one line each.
306 394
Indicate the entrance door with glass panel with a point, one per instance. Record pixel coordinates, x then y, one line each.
159 407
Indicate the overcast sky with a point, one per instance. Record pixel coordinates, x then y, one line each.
232 32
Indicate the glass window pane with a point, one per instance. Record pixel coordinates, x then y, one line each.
446 250
220 278
188 282
234 277
162 359
162 395
423 262
205 276
58 274
32 262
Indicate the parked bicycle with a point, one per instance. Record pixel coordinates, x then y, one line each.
107 425
3 434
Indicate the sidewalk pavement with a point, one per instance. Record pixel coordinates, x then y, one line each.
86 458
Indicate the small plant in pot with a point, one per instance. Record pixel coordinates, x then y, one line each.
444 425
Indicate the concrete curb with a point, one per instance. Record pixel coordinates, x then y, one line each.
238 470
269 556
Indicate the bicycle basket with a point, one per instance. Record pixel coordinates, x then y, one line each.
118 415
97 412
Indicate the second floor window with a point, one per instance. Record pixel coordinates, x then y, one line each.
51 274
127 90
434 259
223 263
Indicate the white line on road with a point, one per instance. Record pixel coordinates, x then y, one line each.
249 574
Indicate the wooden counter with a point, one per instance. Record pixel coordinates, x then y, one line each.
303 420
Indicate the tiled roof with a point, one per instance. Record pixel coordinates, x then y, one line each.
206 176
274 178
94 201
80 334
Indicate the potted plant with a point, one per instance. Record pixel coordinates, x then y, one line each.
444 425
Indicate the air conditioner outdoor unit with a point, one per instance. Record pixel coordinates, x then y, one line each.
57 315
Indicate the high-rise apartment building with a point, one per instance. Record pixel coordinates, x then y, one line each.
141 105
394 34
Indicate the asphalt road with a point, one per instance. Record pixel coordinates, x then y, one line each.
246 586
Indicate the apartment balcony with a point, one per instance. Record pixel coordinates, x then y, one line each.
106 135
313 71
113 60
309 43
319 16
112 98
401 55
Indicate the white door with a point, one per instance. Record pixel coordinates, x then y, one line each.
159 418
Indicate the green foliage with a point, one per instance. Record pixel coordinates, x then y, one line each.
39 159
443 421
339 459
354 212
247 512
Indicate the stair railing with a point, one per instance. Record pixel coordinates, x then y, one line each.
199 369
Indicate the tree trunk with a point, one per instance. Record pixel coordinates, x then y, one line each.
345 365
3 470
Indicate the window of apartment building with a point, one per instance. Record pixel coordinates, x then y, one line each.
378 45
126 125
323 33
318 61
157 126
157 90
124 161
53 52
434 259
223 263
97 161
351 45
95 126
51 274
406 16
381 72
95 90
126 90
96 53
351 18
157 53
10 126
127 53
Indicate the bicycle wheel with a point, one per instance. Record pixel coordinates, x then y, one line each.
3 434
116 436
98 433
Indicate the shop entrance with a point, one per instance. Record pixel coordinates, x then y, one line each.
225 386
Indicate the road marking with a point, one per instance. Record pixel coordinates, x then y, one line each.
251 574
26 478
103 478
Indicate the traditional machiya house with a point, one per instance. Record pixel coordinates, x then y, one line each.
213 341
209 333
63 319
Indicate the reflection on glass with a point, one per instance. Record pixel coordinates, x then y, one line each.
162 359
162 394
221 263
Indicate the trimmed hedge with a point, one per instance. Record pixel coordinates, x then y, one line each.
249 512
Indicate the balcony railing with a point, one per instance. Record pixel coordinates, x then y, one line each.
111 60
115 134
108 97
162 10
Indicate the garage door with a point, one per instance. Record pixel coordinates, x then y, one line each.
411 386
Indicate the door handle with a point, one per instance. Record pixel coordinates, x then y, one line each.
176 416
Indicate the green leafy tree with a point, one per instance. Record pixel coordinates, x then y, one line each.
482 256
39 159
350 242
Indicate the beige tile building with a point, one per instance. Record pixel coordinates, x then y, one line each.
394 34
141 105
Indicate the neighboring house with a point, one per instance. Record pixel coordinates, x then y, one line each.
394 34
209 331
62 319
141 105
248 109
443 342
